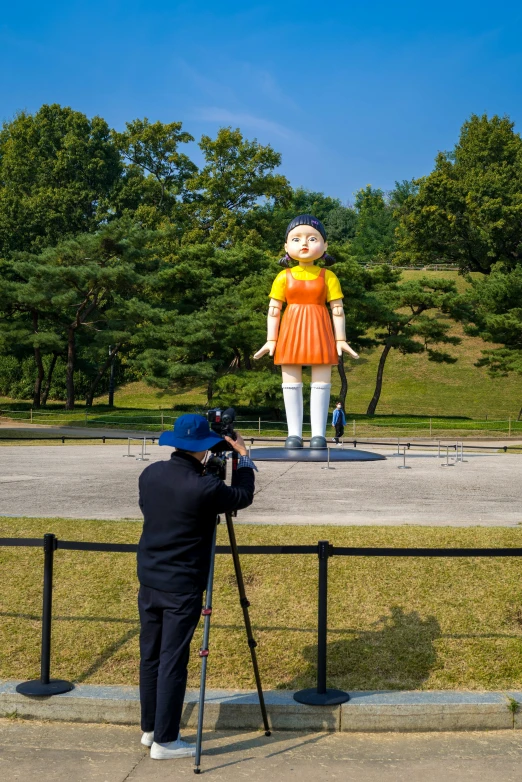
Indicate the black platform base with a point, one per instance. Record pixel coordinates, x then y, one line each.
36 687
328 698
314 455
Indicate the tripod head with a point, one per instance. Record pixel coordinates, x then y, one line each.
216 464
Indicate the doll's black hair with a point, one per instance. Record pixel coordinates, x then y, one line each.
285 260
310 220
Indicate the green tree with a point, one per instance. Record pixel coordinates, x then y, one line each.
56 167
374 240
341 224
493 310
403 323
217 316
237 173
88 292
155 171
468 211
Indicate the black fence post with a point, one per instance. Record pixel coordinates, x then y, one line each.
321 695
45 685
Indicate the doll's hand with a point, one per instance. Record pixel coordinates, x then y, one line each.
269 347
343 347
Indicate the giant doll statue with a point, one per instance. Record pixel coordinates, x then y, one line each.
305 336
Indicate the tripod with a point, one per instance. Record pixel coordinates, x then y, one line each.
207 613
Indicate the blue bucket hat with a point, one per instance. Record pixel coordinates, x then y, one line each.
190 433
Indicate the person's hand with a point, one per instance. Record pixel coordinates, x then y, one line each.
238 444
269 347
343 347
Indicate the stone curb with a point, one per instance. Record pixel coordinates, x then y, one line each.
229 710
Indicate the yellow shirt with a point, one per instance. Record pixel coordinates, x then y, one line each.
333 286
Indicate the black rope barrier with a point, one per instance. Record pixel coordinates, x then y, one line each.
349 551
79 545
319 695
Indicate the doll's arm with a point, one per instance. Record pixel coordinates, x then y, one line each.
339 324
272 328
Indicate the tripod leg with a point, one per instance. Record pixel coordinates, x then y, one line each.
244 605
203 653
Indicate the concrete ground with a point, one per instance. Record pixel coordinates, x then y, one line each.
98 482
103 753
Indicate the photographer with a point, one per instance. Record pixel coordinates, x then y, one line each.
179 504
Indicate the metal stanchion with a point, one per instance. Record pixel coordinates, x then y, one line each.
438 455
403 466
128 449
447 464
45 685
328 463
321 695
462 459
142 457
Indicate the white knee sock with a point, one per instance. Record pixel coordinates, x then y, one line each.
293 396
319 403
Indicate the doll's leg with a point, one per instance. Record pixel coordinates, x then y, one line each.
319 403
293 396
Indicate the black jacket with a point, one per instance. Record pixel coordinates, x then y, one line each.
180 506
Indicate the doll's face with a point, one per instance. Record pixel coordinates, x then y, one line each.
305 244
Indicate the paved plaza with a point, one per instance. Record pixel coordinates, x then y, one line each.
103 753
100 482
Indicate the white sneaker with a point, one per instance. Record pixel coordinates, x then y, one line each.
148 739
172 749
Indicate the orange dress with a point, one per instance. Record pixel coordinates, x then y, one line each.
306 335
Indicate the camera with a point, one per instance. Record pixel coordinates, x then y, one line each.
222 421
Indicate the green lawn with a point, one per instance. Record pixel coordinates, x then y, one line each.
393 623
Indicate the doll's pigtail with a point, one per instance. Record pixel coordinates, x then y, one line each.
328 260
285 261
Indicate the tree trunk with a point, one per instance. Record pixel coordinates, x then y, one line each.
236 362
50 372
40 372
247 360
519 414
104 367
210 392
344 380
69 404
378 384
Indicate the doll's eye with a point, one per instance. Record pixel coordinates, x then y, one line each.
313 238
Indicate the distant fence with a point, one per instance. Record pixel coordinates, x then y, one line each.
159 421
432 427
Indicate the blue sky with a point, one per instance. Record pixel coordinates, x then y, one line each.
350 93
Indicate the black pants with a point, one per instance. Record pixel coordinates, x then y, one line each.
168 622
339 431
